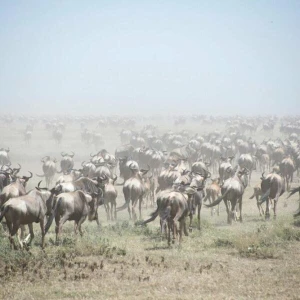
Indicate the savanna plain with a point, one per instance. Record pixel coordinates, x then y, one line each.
255 259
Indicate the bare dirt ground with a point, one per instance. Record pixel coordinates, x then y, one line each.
252 260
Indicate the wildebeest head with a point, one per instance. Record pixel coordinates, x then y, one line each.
25 179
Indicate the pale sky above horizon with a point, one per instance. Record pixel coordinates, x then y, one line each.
127 57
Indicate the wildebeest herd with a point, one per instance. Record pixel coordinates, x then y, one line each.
174 172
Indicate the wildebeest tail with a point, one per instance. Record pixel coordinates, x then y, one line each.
252 196
293 191
152 218
217 201
40 175
164 216
124 206
265 196
4 210
52 216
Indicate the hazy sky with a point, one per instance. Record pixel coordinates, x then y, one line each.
150 56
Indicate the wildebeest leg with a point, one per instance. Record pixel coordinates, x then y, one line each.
181 226
13 229
59 223
240 207
174 231
169 231
22 228
274 207
140 207
106 206
80 223
267 215
199 210
228 212
191 220
129 208
233 213
30 236
114 204
42 223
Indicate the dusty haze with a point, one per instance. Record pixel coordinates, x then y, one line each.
136 57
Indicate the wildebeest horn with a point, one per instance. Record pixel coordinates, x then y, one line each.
63 154
82 164
26 178
72 155
262 176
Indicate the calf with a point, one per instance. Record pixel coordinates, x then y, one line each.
213 191
257 195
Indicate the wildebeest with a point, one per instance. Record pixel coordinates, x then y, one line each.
25 210
225 169
109 198
272 187
134 191
72 206
232 192
257 195
124 166
14 189
84 184
4 157
172 207
287 169
69 177
248 162
67 163
49 169
195 197
213 191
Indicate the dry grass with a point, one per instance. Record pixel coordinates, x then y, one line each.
119 260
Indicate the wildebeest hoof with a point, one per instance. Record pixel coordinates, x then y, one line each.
190 229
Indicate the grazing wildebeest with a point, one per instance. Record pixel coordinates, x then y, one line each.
134 191
172 207
25 210
232 192
257 195
73 206
49 169
272 187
